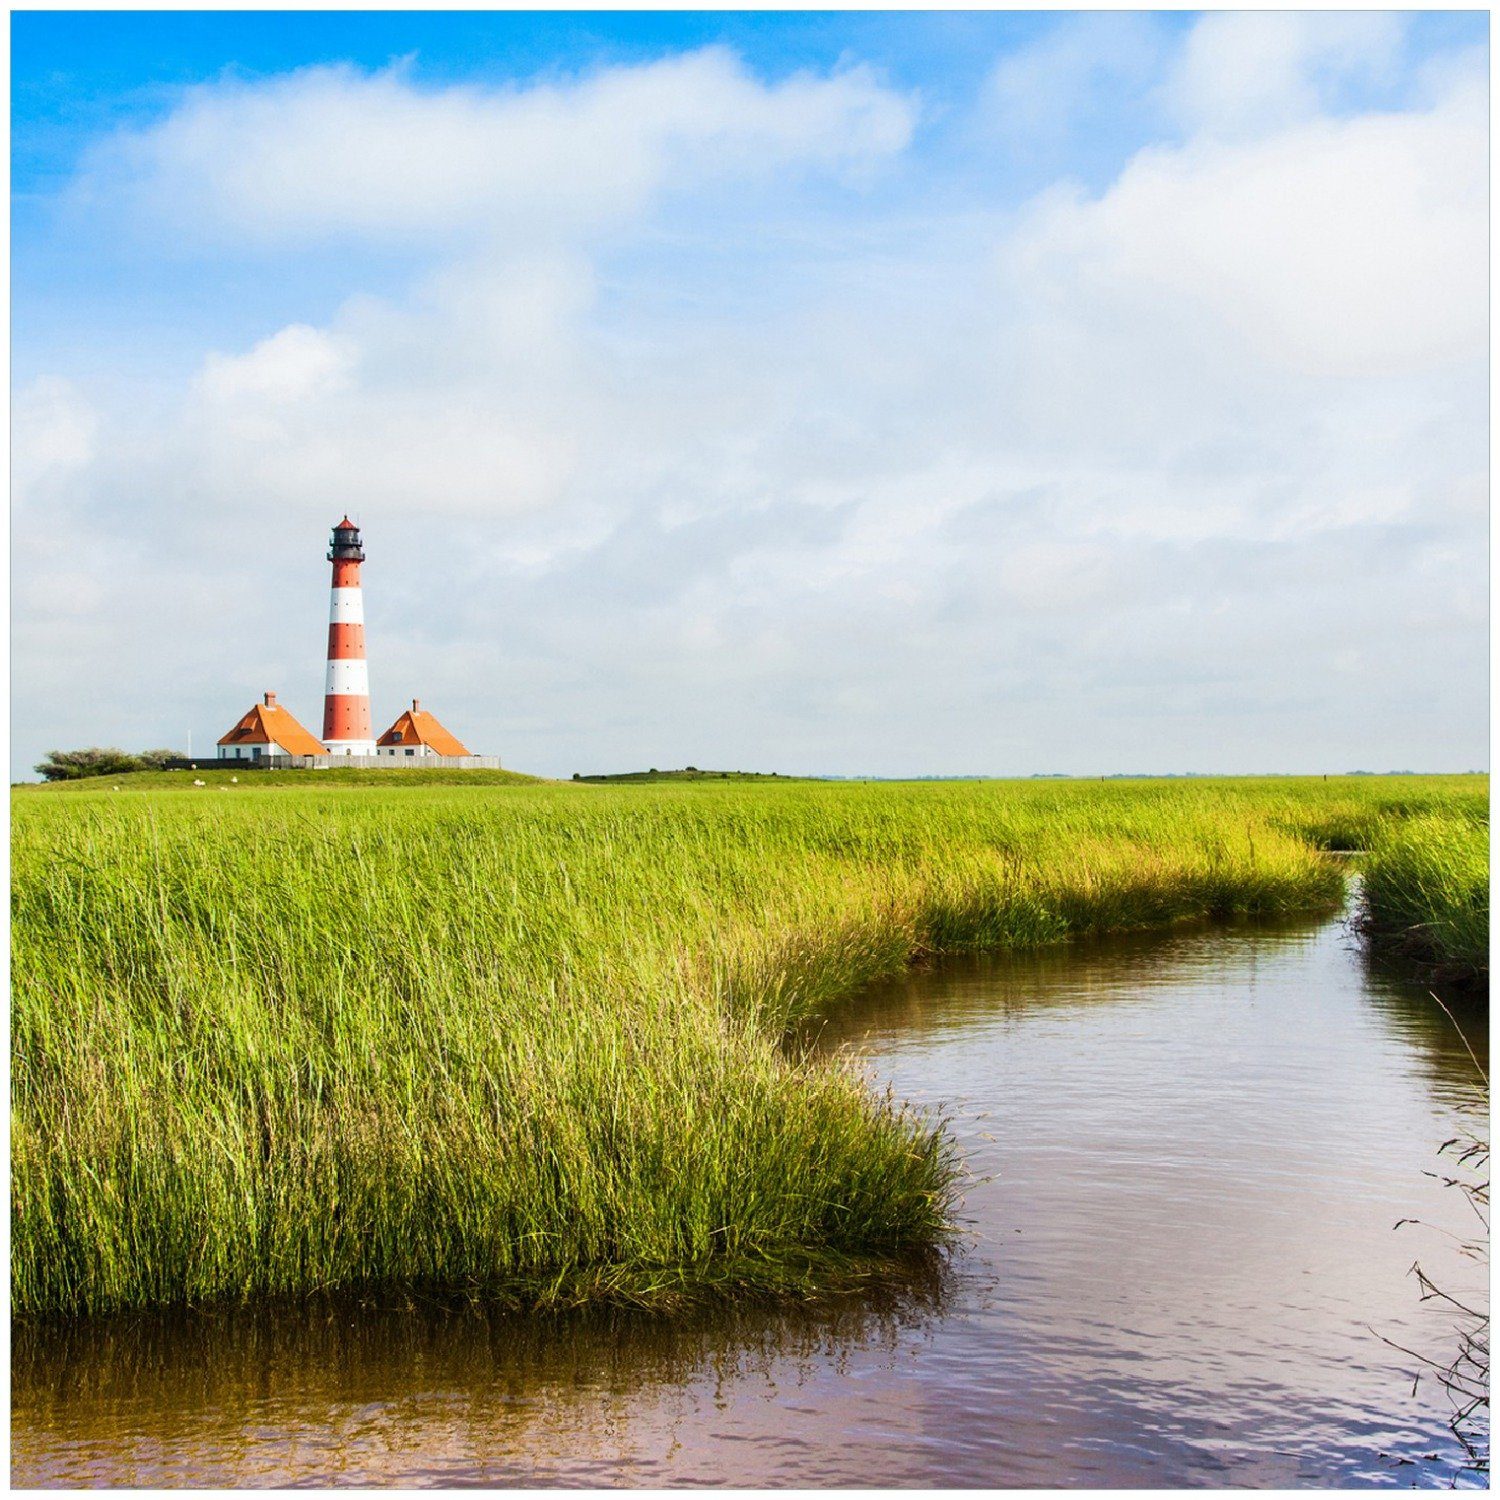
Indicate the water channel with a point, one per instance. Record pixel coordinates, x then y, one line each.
1187 1155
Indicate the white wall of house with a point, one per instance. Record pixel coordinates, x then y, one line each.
252 752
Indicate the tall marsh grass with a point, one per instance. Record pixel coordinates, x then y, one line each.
533 1040
1426 893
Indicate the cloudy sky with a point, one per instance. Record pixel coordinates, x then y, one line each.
882 394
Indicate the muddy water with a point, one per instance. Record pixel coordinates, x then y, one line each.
1187 1155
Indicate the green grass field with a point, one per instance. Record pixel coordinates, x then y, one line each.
315 1031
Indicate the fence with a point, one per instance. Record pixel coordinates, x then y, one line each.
326 762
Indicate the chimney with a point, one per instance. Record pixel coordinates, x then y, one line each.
416 705
270 700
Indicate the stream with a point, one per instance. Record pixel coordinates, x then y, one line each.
1186 1158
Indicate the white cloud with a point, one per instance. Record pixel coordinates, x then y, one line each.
1245 72
336 152
297 364
1334 246
55 430
468 400
1042 92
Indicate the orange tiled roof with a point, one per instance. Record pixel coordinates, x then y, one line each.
418 727
271 724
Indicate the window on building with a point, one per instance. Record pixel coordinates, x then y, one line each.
411 752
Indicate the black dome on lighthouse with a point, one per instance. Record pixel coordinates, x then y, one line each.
346 543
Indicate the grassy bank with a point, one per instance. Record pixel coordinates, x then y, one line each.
1426 894
273 1039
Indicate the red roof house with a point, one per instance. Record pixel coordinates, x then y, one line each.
268 729
417 733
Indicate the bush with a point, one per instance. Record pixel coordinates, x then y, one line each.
158 760
74 765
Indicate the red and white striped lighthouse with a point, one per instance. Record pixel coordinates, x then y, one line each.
347 729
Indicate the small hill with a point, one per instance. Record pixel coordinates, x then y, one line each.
688 773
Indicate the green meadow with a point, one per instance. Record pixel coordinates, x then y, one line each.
539 1041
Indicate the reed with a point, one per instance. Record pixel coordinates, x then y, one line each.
534 1040
1426 894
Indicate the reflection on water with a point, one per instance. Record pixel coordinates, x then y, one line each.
397 1389
1187 1157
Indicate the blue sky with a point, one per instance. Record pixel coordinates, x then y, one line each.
884 393
78 78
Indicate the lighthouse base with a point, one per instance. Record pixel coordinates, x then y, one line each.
350 747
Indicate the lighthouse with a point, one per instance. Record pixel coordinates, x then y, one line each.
347 729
